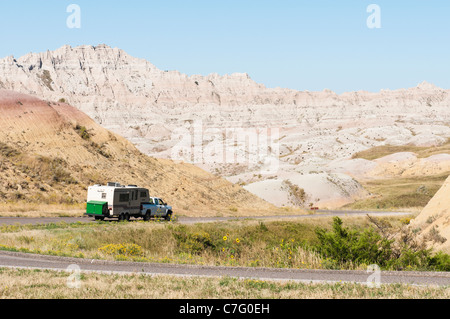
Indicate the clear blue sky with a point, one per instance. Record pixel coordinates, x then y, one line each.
303 45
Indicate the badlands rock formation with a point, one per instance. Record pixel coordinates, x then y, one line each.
434 221
232 126
51 152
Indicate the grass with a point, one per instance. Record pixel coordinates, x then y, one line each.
249 243
35 180
34 210
46 284
385 150
400 193
411 193
7 151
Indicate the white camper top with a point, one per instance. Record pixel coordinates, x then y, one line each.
115 185
107 192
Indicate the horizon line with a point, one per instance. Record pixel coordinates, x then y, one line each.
106 46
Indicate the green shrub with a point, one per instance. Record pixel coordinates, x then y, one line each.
83 132
368 246
410 260
192 242
262 227
439 262
345 245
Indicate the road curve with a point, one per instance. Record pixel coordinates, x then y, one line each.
23 260
194 220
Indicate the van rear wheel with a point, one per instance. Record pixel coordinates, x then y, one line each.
121 217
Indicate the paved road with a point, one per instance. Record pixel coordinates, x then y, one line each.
21 260
317 214
193 220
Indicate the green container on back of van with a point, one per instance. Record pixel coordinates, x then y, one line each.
96 208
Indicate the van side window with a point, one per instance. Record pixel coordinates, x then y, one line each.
124 197
143 194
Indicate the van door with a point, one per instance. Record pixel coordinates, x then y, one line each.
143 196
159 208
135 203
153 207
124 201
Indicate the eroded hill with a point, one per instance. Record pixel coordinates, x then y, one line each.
433 223
50 152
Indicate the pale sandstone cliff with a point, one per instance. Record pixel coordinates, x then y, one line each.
132 97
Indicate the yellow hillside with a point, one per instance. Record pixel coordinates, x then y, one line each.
51 152
434 221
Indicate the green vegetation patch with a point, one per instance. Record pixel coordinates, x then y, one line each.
401 192
46 79
83 132
385 150
344 245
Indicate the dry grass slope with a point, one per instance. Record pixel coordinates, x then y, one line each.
385 150
51 152
405 187
411 193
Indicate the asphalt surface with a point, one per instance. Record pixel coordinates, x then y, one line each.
22 260
194 220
